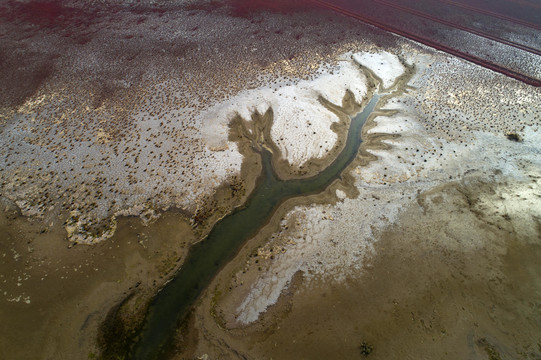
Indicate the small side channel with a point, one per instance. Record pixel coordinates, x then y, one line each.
172 303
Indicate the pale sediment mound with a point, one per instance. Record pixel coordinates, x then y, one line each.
301 125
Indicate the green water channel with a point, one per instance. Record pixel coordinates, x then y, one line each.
172 303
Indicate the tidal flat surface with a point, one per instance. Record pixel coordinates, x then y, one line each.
117 158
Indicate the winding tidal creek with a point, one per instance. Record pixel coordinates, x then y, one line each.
172 303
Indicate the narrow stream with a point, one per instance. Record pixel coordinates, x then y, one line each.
206 258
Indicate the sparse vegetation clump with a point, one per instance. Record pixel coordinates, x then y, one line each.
366 348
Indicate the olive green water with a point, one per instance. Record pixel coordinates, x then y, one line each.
205 259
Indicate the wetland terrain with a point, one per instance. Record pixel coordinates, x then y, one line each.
141 143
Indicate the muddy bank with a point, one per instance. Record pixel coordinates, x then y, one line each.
122 323
449 281
313 166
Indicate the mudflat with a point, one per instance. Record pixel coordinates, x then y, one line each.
445 282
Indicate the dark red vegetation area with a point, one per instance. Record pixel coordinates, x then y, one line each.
495 21
453 26
247 8
46 14
520 11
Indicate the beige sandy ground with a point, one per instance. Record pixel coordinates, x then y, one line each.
451 281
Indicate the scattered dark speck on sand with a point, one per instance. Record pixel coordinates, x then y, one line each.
513 137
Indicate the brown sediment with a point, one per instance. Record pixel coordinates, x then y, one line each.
74 288
231 193
375 141
123 322
445 283
344 111
252 136
121 276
